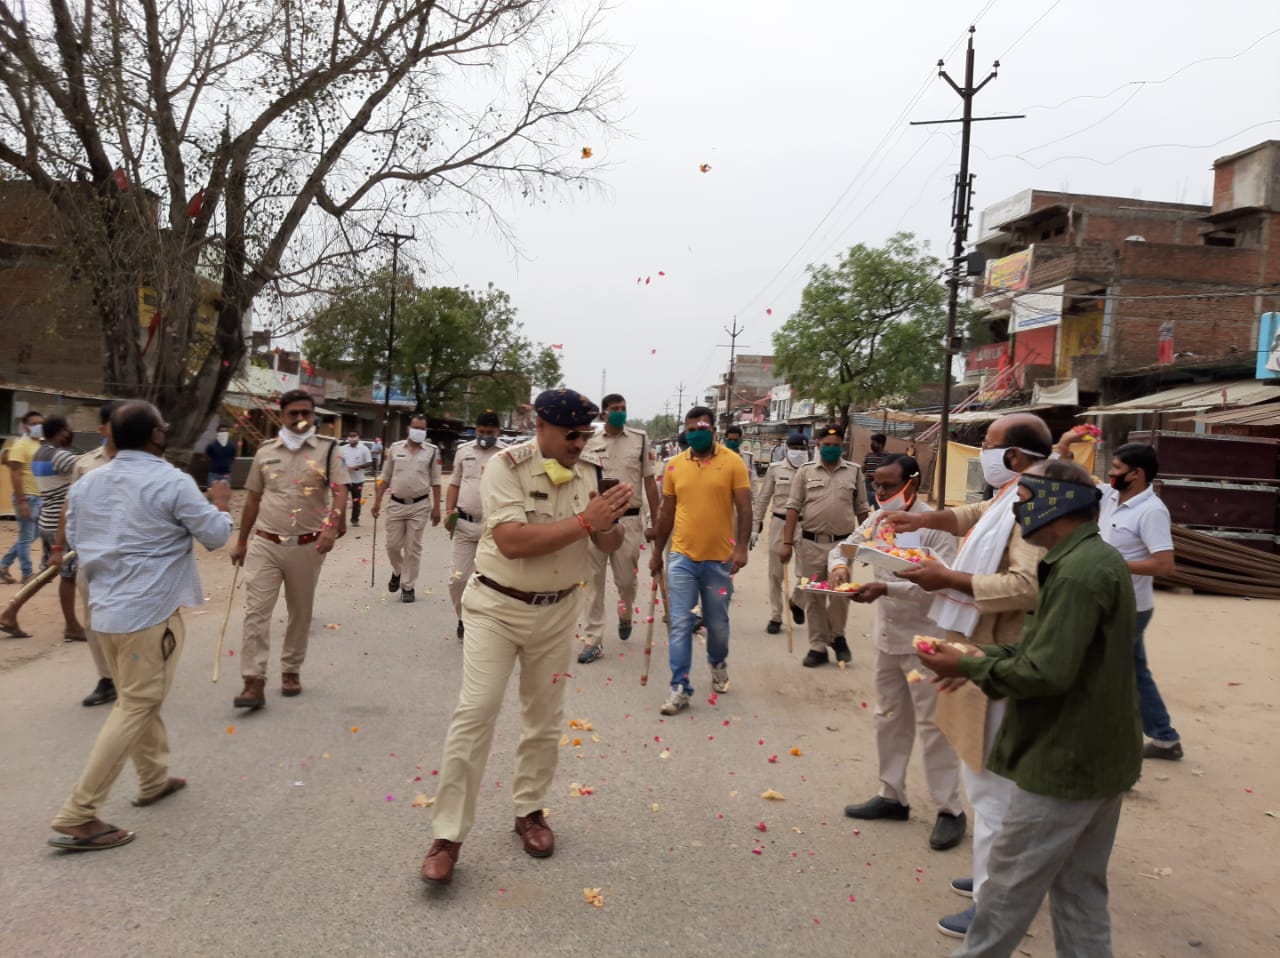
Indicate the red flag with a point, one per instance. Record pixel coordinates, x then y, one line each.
557 345
196 204
121 179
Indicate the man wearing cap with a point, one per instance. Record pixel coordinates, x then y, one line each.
411 474
771 503
464 513
296 505
357 458
541 515
832 497
624 455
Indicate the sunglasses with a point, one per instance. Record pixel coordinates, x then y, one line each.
573 435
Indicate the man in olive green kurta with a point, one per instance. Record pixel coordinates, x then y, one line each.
1071 740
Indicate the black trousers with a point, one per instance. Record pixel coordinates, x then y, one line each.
355 490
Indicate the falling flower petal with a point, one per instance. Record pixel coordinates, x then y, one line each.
796 752
332 626
354 729
761 826
769 795
704 167
593 897
231 730
586 152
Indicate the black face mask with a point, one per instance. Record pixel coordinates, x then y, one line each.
1121 483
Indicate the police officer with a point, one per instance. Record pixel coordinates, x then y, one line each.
411 473
771 505
297 496
464 513
832 497
623 454
540 511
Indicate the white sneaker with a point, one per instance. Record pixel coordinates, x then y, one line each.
676 701
720 678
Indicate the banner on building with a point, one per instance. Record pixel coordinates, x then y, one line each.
1008 273
1269 347
1081 336
1036 310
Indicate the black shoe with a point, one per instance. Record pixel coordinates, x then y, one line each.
394 584
461 631
841 648
697 623
104 692
814 659
797 614
879 807
355 522
624 631
947 831
1170 753
406 595
773 628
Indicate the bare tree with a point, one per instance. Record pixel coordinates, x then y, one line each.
262 145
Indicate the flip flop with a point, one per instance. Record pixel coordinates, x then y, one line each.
171 786
74 637
14 632
90 843
6 578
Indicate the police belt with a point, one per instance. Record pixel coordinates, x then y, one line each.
531 598
824 538
779 515
466 516
301 540
632 512
409 502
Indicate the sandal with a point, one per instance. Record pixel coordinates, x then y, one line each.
171 786
14 632
92 843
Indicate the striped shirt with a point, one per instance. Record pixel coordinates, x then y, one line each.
52 467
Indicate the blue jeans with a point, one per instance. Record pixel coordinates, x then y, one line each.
689 582
1155 717
21 550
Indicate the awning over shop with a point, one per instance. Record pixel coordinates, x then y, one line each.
968 417
1267 414
1189 399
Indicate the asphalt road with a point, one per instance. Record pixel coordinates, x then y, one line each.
298 833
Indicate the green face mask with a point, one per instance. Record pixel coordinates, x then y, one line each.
618 418
734 444
699 439
830 453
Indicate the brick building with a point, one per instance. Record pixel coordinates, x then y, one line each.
1085 289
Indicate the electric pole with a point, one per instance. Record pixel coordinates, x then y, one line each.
961 208
396 240
602 375
734 333
680 399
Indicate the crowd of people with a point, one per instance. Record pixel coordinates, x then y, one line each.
1030 699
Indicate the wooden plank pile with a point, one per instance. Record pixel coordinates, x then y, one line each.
1209 564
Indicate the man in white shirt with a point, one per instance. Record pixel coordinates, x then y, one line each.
464 513
356 457
1137 524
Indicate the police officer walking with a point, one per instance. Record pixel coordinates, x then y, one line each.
624 455
540 511
464 514
411 473
297 497
832 497
771 504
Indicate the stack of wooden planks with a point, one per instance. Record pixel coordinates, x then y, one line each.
1209 564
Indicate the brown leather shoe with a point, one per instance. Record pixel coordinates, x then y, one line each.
254 694
437 867
539 840
290 684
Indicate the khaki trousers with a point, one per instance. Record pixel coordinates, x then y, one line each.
500 632
143 665
624 561
405 526
462 560
824 617
95 644
266 566
902 710
776 598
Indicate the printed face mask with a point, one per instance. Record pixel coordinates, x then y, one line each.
1051 499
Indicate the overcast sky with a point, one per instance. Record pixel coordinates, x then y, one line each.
799 110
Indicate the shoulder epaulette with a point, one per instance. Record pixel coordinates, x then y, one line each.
516 455
590 459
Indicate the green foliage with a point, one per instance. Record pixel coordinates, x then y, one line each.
868 329
662 426
457 350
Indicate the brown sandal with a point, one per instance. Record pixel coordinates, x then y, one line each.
171 786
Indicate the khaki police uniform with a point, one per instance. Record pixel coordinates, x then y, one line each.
84 465
771 508
830 501
468 467
409 474
296 504
629 458
502 629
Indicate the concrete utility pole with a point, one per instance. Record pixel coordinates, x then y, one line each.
680 399
396 240
734 333
961 209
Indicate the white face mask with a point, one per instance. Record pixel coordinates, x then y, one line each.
36 431
797 457
222 438
417 436
898 503
294 440
994 471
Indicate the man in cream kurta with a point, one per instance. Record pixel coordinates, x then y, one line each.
540 510
1004 591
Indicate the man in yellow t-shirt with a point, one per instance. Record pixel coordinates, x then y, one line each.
26 495
701 489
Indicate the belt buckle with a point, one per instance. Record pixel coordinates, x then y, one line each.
545 598
288 540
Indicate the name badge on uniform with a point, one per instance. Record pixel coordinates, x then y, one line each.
270 462
539 494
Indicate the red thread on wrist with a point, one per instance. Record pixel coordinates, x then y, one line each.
582 521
